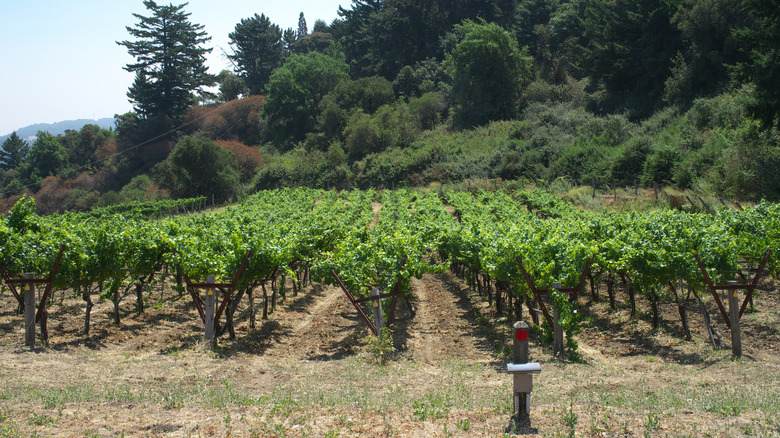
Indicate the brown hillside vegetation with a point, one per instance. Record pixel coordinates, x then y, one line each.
235 120
308 371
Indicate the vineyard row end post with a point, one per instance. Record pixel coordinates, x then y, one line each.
209 310
522 374
28 290
736 335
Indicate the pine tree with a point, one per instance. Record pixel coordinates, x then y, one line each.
170 62
303 29
763 69
13 151
257 51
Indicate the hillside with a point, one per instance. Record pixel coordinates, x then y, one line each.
28 132
596 94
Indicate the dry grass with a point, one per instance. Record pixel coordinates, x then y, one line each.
307 372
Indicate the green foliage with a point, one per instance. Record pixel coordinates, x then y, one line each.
83 145
294 93
197 166
47 156
488 71
365 94
426 76
763 68
700 68
628 48
13 152
170 62
22 216
231 87
257 51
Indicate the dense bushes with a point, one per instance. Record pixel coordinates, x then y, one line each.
710 148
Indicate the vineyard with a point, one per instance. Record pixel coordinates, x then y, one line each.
524 255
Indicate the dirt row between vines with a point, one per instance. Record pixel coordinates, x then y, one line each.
308 371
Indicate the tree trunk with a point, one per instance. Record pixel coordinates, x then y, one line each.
611 292
251 309
486 281
88 299
117 298
273 298
534 315
631 294
265 301
230 310
684 319
139 297
44 324
654 305
593 288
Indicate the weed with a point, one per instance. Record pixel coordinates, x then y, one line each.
41 420
228 425
381 348
570 418
727 408
435 407
652 423
463 424
286 405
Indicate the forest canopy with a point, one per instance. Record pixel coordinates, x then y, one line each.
682 93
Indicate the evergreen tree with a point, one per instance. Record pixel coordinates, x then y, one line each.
13 152
289 38
303 30
763 69
628 49
257 51
170 62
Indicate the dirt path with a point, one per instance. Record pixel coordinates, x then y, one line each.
440 328
306 371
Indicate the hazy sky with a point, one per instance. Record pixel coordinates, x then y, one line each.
59 59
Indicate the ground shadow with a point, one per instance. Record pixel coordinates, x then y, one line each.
491 335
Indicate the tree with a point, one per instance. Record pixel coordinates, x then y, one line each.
289 38
47 155
258 50
488 71
170 62
303 30
628 48
197 166
231 87
366 94
763 69
13 151
295 91
701 68
82 145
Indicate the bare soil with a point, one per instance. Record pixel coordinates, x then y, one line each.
308 371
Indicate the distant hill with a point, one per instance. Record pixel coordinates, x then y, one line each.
60 127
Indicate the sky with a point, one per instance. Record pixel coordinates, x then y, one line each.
59 59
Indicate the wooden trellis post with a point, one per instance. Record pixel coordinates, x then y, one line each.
736 335
28 291
209 309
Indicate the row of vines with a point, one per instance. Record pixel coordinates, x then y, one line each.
284 238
